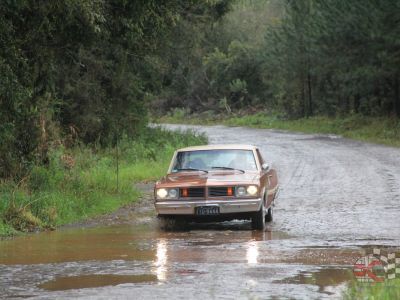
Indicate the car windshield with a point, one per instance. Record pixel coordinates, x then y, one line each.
214 159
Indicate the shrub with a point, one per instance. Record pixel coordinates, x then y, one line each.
57 193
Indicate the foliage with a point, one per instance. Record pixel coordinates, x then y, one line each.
365 128
80 182
336 57
388 290
301 57
80 71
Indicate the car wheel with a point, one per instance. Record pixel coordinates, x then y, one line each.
270 214
258 219
163 222
168 223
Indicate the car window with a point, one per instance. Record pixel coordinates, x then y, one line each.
209 159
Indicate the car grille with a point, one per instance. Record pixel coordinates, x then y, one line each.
192 192
218 191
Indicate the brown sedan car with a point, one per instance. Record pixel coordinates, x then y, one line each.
217 183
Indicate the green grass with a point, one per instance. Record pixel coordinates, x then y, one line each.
80 183
369 129
388 290
7 230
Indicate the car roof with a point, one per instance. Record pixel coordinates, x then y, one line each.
219 147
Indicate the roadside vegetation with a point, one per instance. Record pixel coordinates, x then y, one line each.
93 87
388 290
380 130
82 182
76 80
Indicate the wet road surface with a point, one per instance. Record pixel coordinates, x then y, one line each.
338 197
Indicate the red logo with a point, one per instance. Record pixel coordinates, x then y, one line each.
369 269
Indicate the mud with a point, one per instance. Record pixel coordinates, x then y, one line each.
338 198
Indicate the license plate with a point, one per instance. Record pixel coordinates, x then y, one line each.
207 210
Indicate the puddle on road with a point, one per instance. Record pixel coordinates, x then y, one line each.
169 257
323 278
139 242
94 281
101 244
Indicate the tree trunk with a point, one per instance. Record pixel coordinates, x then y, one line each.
303 99
396 99
310 103
356 103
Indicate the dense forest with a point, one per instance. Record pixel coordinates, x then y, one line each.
89 71
81 71
300 57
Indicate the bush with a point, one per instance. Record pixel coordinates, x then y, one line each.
63 192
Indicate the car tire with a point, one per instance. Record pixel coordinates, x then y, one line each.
171 224
258 219
270 214
163 222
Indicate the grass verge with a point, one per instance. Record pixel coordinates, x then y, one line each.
79 183
369 129
388 290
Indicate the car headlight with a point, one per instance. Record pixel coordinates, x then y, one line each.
252 190
240 191
167 193
245 191
162 193
173 193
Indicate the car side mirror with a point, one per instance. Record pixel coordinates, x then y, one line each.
265 167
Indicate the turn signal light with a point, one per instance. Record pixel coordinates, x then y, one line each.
229 191
184 192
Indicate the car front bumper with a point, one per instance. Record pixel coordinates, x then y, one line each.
187 207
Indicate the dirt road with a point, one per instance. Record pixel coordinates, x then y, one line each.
338 197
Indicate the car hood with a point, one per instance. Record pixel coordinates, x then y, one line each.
186 179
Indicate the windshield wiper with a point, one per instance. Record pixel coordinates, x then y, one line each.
191 169
227 168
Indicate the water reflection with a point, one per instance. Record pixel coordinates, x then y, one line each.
160 263
93 281
252 252
266 235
